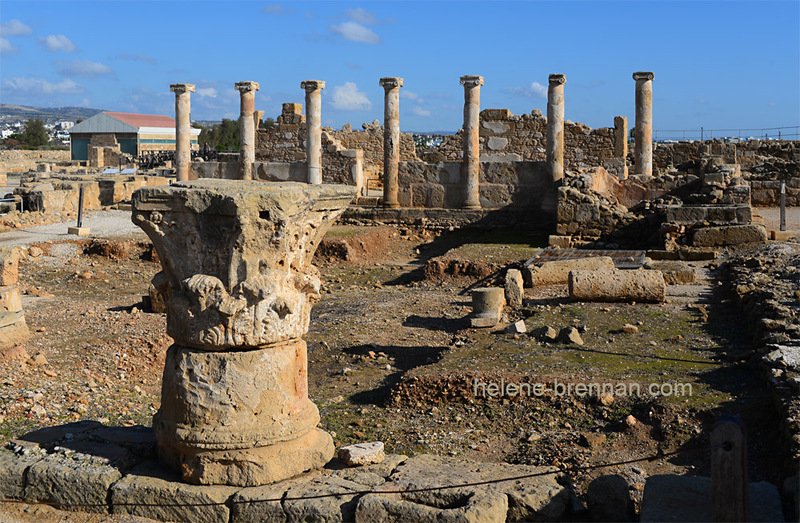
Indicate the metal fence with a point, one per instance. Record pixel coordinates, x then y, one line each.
729 135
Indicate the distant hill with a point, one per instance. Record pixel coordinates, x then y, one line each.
12 113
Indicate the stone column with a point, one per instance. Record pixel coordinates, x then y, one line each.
643 133
236 258
247 127
391 139
555 126
183 129
314 128
471 166
621 144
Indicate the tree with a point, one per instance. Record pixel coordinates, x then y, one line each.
34 133
267 123
221 136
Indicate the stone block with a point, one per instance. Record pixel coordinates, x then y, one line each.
10 299
617 285
495 114
782 236
563 242
674 272
79 231
497 144
682 498
13 468
608 499
514 288
151 484
731 235
9 263
487 306
72 478
13 329
362 454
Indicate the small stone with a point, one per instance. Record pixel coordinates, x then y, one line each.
38 411
362 454
50 373
570 335
592 439
631 421
346 371
535 436
606 399
630 329
39 360
35 252
517 328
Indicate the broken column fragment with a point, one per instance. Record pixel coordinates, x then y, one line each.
313 90
557 272
471 166
247 127
555 126
514 288
13 329
391 139
237 254
487 306
617 285
183 129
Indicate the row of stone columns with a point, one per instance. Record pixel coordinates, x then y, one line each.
643 147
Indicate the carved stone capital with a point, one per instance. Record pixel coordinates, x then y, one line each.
246 87
472 80
238 256
181 88
643 75
391 82
312 85
557 79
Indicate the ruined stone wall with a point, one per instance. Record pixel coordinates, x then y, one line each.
439 184
508 137
747 154
22 161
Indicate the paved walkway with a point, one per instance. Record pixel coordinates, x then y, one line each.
102 224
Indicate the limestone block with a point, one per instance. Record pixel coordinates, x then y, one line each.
732 235
13 468
257 403
159 292
10 299
682 498
13 329
487 306
469 507
557 272
150 484
617 285
65 477
675 272
513 288
608 499
497 144
239 261
9 260
362 454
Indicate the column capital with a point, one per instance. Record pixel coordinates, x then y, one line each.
246 87
312 85
181 88
643 75
391 82
472 80
557 79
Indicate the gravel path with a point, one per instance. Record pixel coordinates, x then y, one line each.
102 224
772 218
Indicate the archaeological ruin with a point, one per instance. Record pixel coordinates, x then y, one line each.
350 322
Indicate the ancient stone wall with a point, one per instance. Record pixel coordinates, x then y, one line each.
22 161
508 137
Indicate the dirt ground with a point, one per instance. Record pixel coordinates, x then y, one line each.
392 357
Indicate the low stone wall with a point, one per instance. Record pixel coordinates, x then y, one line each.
768 192
23 161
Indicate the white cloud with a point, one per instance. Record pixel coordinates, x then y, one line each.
83 69
355 32
55 43
34 86
14 28
535 90
353 65
362 16
277 9
85 102
6 47
347 97
410 95
419 111
138 58
209 92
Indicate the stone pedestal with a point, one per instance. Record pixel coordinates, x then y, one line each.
643 132
247 127
237 256
391 139
313 90
621 144
555 126
183 129
471 170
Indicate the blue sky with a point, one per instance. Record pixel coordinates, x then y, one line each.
720 64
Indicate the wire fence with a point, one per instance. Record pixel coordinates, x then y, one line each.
728 135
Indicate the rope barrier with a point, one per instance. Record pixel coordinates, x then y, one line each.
659 455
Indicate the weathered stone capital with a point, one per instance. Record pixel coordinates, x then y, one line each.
643 75
472 80
181 88
312 85
391 82
557 79
246 87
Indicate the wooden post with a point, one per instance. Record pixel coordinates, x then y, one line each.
729 486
